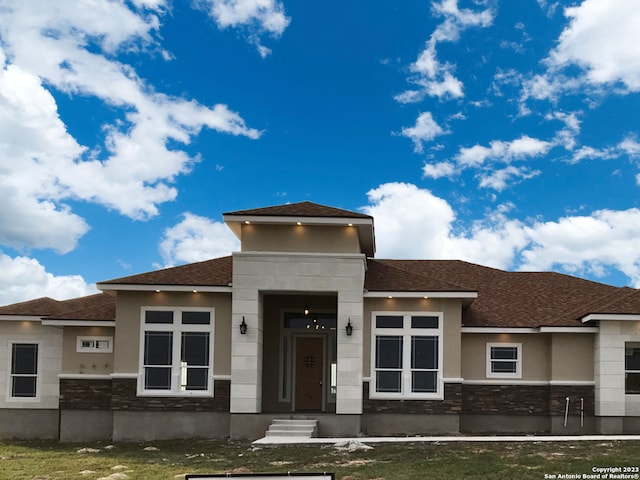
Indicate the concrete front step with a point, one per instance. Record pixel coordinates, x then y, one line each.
298 428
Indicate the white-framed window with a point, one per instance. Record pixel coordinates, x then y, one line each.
406 355
632 368
504 360
24 365
94 344
176 351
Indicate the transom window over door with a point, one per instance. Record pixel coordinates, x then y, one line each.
176 352
406 355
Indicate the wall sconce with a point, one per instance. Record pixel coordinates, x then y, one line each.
306 309
243 327
349 328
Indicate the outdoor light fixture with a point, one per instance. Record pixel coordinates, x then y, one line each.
349 327
306 309
243 327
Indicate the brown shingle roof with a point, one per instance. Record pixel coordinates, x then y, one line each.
97 307
32 308
506 299
385 276
301 209
101 304
215 272
626 301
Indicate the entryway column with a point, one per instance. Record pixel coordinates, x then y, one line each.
349 381
246 351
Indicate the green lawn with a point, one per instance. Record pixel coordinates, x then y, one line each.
171 460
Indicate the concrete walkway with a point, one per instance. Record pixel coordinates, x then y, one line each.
275 441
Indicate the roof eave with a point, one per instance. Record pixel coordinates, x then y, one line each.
141 287
22 318
593 317
79 323
421 294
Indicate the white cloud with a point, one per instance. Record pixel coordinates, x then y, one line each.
425 129
603 38
259 17
464 18
195 239
473 156
630 146
590 153
438 170
605 239
567 136
526 146
435 78
410 222
25 278
413 223
501 178
41 165
28 223
501 152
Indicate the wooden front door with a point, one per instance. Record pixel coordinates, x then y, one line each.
309 373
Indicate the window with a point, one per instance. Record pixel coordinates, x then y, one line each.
23 377
504 360
176 350
94 344
632 369
406 355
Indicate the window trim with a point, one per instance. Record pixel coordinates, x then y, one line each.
518 361
38 375
627 345
176 328
406 332
85 338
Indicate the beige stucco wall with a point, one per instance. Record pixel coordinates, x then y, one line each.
300 238
74 362
452 315
536 354
572 356
129 304
49 361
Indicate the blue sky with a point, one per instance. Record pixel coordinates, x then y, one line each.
498 132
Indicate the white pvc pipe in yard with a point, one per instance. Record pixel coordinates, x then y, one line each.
566 413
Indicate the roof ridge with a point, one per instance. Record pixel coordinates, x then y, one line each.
33 300
301 209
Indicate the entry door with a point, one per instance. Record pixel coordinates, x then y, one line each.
309 373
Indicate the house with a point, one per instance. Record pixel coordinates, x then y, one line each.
305 321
